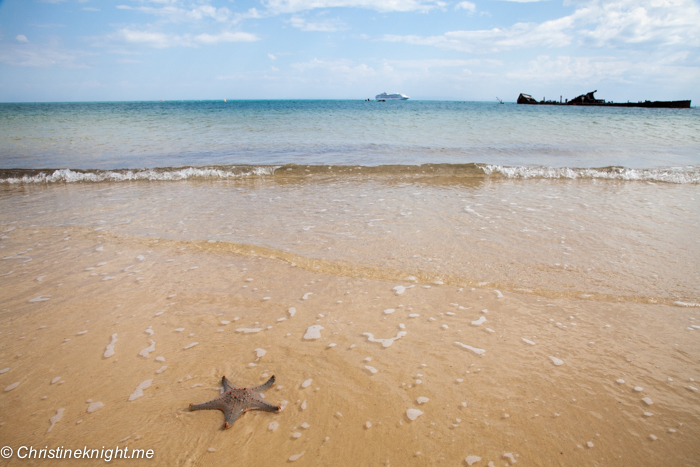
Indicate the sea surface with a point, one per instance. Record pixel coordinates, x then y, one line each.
512 264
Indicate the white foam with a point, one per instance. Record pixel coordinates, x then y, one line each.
138 392
273 426
248 330
412 414
556 361
384 342
296 456
473 349
687 304
648 414
189 346
12 386
149 331
331 345
399 289
638 388
368 425
55 419
161 369
260 353
147 351
56 380
647 400
4 370
225 322
479 321
179 329
109 350
668 175
422 400
306 295
307 383
40 298
313 332
94 406
509 455
620 381
80 333
413 315
292 311
371 369
296 435
528 341
389 311
303 406
472 460
160 359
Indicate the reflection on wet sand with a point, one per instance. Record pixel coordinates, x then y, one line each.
108 336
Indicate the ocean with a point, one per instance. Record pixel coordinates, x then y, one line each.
510 263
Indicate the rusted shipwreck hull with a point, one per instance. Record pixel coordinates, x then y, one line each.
589 99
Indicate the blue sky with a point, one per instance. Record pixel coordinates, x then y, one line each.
96 50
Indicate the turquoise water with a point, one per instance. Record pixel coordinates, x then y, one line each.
137 135
587 202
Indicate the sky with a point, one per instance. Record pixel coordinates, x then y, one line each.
116 50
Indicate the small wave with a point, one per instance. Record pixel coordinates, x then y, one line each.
668 175
679 175
164 174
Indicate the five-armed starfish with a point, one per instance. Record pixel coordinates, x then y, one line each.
234 401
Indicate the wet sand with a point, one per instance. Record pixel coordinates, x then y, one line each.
510 398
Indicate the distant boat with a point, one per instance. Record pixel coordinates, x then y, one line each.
391 97
589 99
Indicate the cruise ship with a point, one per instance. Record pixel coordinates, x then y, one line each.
391 97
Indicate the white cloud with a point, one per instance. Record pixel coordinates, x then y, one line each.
89 8
31 55
593 70
441 63
598 22
180 15
251 13
328 25
271 57
162 40
520 35
295 6
21 38
341 69
468 6
661 22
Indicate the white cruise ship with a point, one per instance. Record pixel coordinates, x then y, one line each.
391 97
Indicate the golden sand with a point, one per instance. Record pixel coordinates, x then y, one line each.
513 399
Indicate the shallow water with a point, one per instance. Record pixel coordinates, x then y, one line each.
513 247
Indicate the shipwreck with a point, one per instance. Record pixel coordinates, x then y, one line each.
589 99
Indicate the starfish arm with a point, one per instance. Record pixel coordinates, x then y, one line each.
260 404
230 415
266 386
226 384
216 404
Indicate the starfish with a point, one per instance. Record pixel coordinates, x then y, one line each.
234 401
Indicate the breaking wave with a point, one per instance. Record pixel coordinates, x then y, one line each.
676 175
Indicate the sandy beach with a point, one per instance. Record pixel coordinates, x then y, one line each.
502 376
